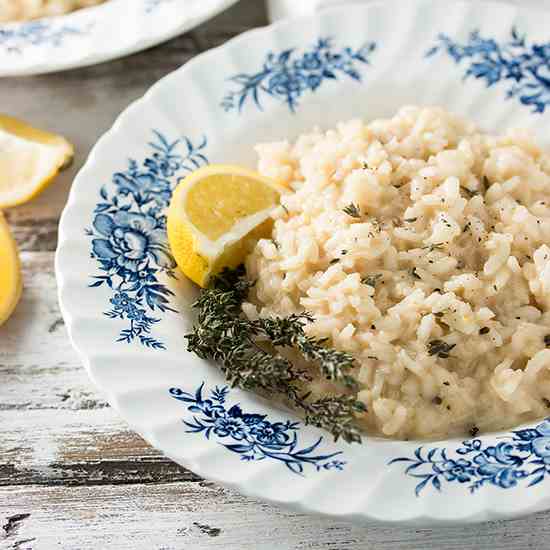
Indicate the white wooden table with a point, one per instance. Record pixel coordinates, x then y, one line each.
72 475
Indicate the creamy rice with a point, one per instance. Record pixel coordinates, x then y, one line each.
440 289
19 10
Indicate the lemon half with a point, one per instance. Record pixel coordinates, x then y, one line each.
216 214
29 160
10 272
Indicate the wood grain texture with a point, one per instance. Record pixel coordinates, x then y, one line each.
72 475
201 516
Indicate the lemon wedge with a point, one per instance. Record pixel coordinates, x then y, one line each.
215 216
29 160
10 272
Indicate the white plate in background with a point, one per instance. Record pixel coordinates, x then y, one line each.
100 33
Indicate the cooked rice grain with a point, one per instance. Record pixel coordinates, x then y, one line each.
450 246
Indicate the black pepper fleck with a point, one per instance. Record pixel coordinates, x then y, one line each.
484 330
474 430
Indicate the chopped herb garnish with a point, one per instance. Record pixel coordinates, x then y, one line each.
439 348
352 210
432 247
223 334
469 192
371 280
484 330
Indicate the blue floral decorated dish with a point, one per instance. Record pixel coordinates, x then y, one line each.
95 34
127 306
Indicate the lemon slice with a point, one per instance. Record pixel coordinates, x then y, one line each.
29 160
216 214
10 272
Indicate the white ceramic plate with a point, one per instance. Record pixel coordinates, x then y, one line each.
127 311
100 33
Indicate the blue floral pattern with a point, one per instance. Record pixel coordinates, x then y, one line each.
525 66
252 436
523 456
129 236
14 39
287 75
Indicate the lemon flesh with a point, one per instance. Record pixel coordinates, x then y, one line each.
29 160
216 215
10 272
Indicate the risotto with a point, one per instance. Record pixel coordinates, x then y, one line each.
18 10
418 244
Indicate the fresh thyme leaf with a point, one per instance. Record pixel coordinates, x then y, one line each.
246 352
352 210
371 280
439 348
469 192
432 247
335 414
414 274
289 332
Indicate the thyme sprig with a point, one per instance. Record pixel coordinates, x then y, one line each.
247 353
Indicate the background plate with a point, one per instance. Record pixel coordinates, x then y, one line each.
108 31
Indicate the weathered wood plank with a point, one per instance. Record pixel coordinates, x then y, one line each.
54 426
197 516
